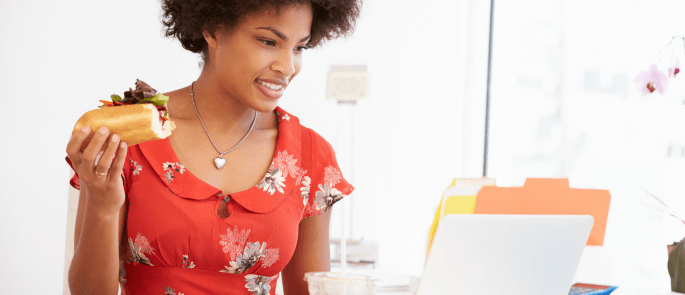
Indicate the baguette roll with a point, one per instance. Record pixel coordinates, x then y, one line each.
135 123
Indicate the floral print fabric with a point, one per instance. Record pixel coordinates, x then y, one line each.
187 264
171 170
234 241
273 181
138 250
258 285
170 291
326 196
253 252
177 243
245 255
135 168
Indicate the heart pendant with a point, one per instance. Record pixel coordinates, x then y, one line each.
219 162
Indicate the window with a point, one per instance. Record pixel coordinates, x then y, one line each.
564 105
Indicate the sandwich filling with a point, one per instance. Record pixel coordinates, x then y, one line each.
141 95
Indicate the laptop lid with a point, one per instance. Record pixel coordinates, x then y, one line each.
505 254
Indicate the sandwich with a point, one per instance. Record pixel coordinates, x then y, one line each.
139 116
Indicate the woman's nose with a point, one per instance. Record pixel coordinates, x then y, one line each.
285 63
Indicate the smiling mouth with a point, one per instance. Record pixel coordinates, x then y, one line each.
274 87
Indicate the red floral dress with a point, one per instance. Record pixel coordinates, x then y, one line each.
179 244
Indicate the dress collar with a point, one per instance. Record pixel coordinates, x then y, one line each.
284 174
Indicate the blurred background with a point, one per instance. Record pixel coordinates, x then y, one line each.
563 105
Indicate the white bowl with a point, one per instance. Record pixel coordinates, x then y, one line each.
335 283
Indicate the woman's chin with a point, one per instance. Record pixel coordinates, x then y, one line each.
265 106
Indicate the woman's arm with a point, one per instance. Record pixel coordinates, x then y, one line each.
79 217
311 254
96 250
95 266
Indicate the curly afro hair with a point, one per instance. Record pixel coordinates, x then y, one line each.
187 19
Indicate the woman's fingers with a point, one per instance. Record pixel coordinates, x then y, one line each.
94 147
119 160
74 146
86 141
97 153
105 160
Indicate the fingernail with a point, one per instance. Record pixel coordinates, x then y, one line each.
122 145
115 138
103 130
85 129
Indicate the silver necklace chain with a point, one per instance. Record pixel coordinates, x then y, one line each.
219 161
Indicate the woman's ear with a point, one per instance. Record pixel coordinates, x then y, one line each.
210 38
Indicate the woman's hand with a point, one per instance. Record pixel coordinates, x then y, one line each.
103 183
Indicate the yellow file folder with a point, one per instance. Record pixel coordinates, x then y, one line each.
458 198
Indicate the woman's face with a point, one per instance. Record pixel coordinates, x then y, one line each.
257 59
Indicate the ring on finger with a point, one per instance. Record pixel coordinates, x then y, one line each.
100 175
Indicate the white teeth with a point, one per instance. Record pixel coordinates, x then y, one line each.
272 86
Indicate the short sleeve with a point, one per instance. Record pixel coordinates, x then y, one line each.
75 181
325 183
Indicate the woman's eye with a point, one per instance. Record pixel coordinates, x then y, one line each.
301 48
268 42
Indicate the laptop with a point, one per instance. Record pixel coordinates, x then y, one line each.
494 254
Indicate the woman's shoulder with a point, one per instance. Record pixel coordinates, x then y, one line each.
177 109
319 145
289 120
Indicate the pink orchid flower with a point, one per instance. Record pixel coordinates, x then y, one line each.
651 80
675 69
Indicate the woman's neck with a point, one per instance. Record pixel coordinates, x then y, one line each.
218 107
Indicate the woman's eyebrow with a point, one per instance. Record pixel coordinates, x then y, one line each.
281 35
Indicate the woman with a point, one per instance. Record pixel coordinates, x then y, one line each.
240 192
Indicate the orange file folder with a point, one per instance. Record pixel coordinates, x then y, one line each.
548 197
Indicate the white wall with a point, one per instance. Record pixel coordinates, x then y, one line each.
409 134
58 58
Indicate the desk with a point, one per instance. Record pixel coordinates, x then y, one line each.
386 280
410 293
